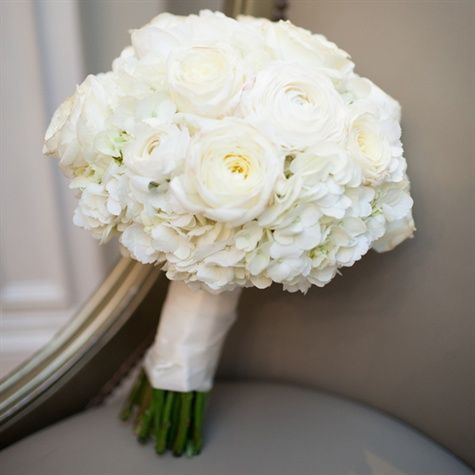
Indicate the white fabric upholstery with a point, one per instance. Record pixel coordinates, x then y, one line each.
252 429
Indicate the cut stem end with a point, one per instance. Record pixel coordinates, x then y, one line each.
173 419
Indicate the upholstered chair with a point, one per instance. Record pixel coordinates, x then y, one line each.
373 374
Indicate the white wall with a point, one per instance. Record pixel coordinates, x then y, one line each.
47 266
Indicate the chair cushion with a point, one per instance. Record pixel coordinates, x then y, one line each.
252 429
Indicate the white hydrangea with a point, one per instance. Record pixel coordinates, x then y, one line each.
235 153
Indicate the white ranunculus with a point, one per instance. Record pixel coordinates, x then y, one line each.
292 43
295 106
205 80
363 94
370 148
153 43
155 152
139 77
166 20
52 135
230 172
78 121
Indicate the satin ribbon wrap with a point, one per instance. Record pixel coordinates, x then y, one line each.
192 329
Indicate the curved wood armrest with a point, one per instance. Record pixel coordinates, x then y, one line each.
88 357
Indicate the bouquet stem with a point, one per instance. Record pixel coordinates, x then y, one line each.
173 418
168 399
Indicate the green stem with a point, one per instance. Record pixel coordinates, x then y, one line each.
145 416
134 396
200 405
159 402
161 444
174 419
184 424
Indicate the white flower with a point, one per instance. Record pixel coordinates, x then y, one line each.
361 199
350 240
235 154
295 106
299 230
139 77
393 204
139 244
205 80
52 134
168 240
292 43
77 122
326 161
365 95
215 277
248 237
155 152
229 174
93 211
394 201
370 148
288 268
396 232
258 260
321 276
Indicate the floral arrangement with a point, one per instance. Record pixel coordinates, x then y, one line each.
233 153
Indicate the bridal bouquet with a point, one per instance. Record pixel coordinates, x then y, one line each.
232 153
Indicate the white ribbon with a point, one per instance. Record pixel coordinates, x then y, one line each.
193 326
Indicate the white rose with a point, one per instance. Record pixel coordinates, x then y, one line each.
205 80
296 107
229 174
292 43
